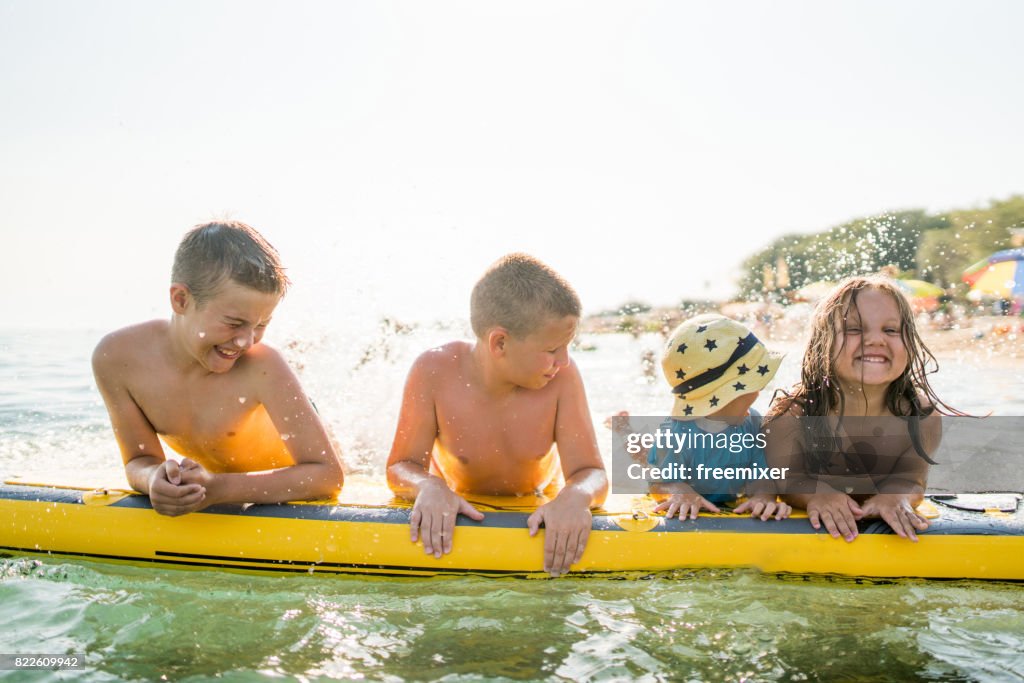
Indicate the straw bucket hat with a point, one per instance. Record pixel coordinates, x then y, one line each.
710 360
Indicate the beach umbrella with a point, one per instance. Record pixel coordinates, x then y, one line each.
919 289
1001 275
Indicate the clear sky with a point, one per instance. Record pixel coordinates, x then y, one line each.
392 150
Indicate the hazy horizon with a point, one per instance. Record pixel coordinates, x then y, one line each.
392 151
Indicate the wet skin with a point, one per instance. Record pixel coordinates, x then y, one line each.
230 404
484 418
684 501
868 355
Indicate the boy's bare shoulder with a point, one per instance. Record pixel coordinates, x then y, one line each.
444 358
571 372
265 360
436 366
121 347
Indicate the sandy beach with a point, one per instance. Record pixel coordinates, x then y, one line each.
988 339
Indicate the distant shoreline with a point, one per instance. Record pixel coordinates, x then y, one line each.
990 338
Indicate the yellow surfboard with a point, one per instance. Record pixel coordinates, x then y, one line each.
366 531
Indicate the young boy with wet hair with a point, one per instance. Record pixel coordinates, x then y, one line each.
503 415
205 383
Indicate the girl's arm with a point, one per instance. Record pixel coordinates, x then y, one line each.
910 473
784 448
826 506
903 489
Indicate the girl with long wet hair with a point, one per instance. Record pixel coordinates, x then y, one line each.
858 429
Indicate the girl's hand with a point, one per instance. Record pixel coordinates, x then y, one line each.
763 506
898 513
837 511
685 504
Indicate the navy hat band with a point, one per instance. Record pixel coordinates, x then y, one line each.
709 376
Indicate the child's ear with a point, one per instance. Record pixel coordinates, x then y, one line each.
496 340
180 298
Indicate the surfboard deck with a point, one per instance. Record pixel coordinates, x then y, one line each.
366 532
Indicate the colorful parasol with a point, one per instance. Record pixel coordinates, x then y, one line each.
919 289
1001 275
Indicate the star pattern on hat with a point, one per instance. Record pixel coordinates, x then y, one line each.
743 369
682 348
688 410
680 374
713 401
710 344
739 386
762 370
702 328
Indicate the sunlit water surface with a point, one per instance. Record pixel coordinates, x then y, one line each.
141 624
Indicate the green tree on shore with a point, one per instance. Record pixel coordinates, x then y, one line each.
933 247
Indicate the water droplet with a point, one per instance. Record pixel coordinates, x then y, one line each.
202 334
142 446
285 437
241 399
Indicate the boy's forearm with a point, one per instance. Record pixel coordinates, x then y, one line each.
304 481
406 479
139 470
590 484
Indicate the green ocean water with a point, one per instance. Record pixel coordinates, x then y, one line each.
137 624
146 624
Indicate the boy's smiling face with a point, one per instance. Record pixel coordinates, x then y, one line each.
536 359
219 331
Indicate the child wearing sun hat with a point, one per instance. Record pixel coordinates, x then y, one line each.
716 368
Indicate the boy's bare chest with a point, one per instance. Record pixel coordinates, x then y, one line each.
520 428
210 407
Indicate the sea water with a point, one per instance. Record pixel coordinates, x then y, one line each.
152 623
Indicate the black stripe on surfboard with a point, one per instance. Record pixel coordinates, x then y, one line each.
289 568
420 572
331 565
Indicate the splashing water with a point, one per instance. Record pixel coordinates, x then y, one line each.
137 623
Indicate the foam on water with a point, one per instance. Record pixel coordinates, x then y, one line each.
141 624
52 417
